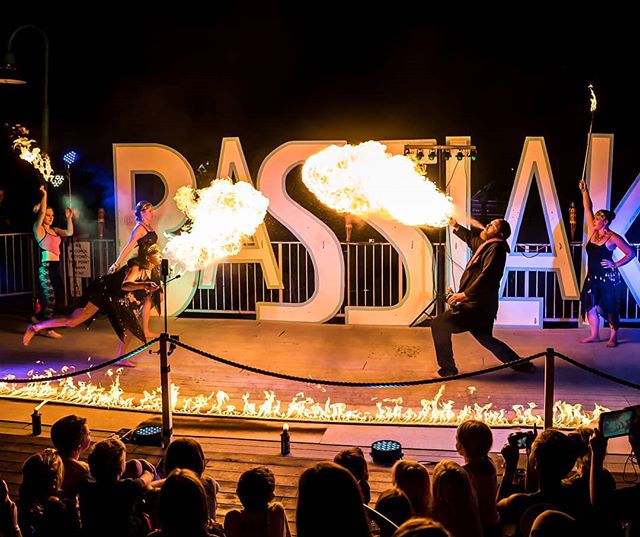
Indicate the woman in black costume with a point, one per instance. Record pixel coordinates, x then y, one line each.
120 295
603 287
143 236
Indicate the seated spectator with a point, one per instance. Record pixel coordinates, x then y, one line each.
553 455
330 503
394 505
71 437
412 478
353 460
41 512
620 505
9 526
186 453
260 516
473 442
183 507
421 527
455 504
552 523
110 505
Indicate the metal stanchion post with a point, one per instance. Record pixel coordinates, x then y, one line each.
165 368
549 379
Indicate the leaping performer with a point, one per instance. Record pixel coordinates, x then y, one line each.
120 295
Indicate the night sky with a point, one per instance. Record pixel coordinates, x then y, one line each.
270 73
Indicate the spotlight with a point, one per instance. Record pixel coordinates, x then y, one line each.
459 155
147 435
473 154
446 154
70 157
432 155
386 451
420 154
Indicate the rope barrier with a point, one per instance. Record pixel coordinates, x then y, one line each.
62 376
597 372
353 384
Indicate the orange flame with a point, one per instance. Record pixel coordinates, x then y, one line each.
37 158
366 179
436 411
222 216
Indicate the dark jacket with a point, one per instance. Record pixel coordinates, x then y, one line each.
481 279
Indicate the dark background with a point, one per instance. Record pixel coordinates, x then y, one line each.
274 72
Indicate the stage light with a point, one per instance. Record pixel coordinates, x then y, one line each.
147 435
473 154
420 154
459 155
70 157
446 154
386 451
432 155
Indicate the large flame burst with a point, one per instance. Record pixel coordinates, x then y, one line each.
436 411
35 156
221 217
367 180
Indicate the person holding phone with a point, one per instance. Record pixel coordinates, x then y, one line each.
620 505
114 294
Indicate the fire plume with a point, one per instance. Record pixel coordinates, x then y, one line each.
367 180
33 155
221 217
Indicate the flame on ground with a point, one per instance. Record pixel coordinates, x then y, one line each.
367 180
37 158
221 216
436 411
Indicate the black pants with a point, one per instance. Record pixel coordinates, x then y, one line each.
452 322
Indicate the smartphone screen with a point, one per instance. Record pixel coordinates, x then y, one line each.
616 423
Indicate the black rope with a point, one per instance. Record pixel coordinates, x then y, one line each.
353 384
597 372
82 371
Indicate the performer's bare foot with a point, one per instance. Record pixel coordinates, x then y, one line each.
590 339
151 335
125 363
53 334
28 335
613 342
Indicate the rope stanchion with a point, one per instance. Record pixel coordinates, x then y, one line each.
91 369
326 382
598 373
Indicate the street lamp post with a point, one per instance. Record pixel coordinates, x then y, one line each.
9 75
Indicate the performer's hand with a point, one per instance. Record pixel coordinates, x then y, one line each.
456 298
68 213
113 268
582 185
453 222
43 189
150 286
608 264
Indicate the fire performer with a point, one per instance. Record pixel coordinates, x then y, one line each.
475 305
119 296
603 288
143 236
49 239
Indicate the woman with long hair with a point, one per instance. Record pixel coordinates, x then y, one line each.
603 287
48 239
412 478
114 295
143 236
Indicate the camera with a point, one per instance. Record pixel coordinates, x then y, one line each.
521 439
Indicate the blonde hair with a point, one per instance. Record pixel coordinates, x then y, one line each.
412 478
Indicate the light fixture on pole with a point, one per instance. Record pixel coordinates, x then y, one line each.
9 75
69 158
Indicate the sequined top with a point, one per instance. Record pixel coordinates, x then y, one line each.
147 240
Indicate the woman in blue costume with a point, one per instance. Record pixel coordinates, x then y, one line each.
142 236
117 295
603 287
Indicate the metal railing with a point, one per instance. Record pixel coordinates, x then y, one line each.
374 277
